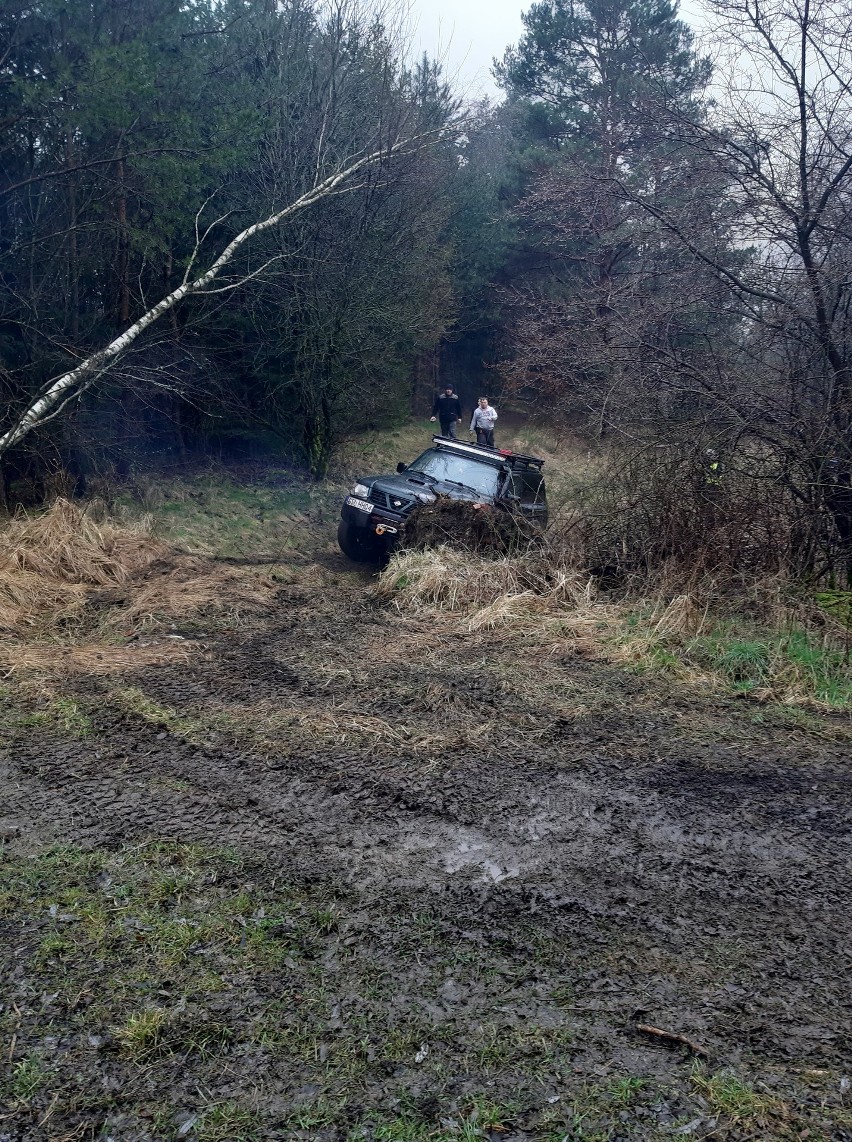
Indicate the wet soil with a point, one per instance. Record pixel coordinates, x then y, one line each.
526 858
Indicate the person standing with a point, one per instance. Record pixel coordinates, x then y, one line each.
482 422
447 410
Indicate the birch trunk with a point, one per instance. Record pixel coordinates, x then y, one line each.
75 382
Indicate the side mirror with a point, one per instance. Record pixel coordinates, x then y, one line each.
400 467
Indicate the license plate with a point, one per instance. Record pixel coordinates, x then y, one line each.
361 505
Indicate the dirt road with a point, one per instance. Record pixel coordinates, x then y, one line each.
519 861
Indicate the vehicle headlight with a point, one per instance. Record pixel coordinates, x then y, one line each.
426 497
359 490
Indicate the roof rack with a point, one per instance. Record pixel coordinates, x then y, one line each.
482 451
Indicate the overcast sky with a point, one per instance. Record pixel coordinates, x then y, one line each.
468 34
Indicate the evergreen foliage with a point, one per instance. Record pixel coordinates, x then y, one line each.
125 128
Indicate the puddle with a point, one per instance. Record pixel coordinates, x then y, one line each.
470 853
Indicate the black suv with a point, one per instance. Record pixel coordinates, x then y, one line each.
374 513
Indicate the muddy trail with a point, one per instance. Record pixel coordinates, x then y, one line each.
488 867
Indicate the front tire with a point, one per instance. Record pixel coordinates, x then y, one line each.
354 547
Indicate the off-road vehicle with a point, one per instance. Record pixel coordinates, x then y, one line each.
374 513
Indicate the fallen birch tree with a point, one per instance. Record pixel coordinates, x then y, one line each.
61 391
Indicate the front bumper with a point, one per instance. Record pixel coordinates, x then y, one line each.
380 525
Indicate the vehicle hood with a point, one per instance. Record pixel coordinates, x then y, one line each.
408 486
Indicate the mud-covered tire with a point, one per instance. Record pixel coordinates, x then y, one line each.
354 547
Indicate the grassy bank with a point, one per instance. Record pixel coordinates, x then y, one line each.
341 973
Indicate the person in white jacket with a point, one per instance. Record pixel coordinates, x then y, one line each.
482 422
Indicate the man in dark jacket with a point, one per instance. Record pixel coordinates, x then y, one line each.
448 411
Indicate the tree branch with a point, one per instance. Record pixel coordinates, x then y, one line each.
80 378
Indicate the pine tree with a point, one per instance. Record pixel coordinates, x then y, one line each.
591 85
592 74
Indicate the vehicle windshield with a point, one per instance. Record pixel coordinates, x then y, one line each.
482 478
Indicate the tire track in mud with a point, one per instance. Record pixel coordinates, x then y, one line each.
657 869
702 883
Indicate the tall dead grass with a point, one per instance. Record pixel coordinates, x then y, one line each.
48 561
443 578
72 589
65 544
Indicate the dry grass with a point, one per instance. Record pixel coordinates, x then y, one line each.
65 544
89 658
666 623
271 727
71 586
48 562
189 585
26 597
533 597
442 578
540 601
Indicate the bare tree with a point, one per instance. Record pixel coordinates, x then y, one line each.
780 136
724 315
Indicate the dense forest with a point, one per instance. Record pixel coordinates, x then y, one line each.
645 242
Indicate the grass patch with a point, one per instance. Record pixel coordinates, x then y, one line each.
595 1111
135 701
733 1097
228 1122
793 667
527 1046
371 453
27 1078
789 667
485 1114
479 1118
214 514
624 1090
70 717
156 1032
497 591
168 959
153 912
401 1130
35 707
837 604
198 727
142 1033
